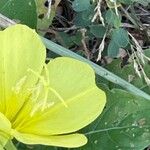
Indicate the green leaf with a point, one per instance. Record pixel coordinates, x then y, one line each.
77 38
122 71
112 19
124 124
97 30
83 19
67 40
43 20
119 39
22 11
113 49
64 39
81 5
127 72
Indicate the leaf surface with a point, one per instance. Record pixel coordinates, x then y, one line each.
22 11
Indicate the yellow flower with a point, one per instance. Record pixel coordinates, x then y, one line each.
43 103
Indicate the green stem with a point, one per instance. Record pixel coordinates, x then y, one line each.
98 69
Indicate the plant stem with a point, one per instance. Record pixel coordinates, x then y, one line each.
98 69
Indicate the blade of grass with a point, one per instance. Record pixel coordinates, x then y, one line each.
98 69
5 22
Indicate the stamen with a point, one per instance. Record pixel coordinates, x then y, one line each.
47 73
19 85
45 99
35 92
38 75
38 106
59 97
42 104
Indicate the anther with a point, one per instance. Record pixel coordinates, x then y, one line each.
19 85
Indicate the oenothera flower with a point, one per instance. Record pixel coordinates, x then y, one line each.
43 103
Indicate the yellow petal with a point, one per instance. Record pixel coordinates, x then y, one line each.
70 141
5 130
20 49
74 82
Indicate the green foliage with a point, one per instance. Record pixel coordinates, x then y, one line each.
83 19
120 36
119 39
127 72
79 5
97 30
124 121
22 11
112 19
29 12
69 40
43 20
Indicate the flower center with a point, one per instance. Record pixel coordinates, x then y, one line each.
38 100
43 87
